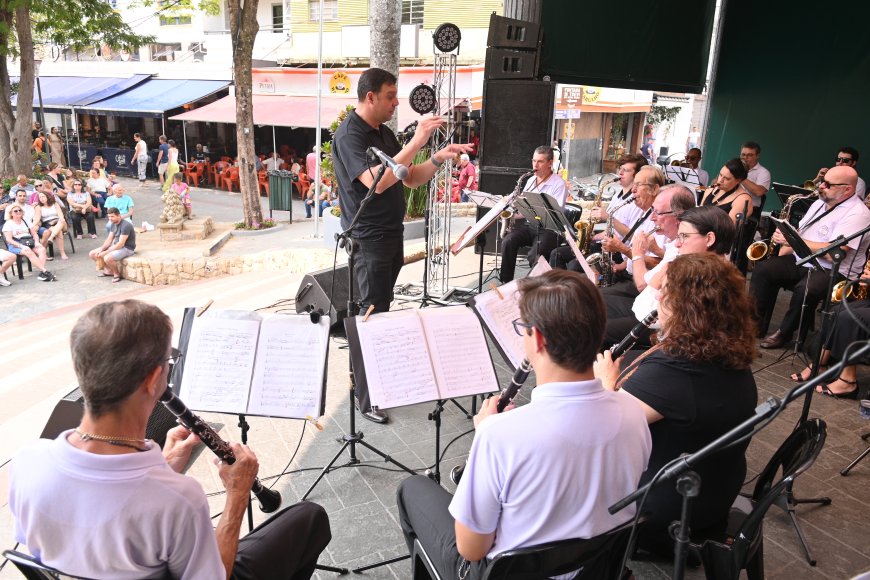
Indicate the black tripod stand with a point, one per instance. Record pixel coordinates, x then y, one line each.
354 437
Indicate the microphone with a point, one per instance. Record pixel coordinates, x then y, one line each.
626 343
399 170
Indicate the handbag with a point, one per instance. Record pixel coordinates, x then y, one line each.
27 241
50 222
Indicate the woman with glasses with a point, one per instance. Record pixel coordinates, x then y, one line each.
48 215
694 385
21 239
81 207
727 192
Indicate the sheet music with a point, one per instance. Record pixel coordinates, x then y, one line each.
541 266
580 257
288 373
220 361
498 314
397 365
459 353
468 236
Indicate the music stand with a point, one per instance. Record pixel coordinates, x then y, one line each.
543 210
484 200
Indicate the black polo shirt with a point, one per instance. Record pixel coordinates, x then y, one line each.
384 214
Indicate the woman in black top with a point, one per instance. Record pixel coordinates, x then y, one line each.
694 385
727 193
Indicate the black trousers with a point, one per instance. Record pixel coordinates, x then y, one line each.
521 235
286 546
423 516
76 219
781 272
841 330
377 263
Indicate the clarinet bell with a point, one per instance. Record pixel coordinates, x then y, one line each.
270 499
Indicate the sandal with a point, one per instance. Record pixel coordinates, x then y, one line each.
853 394
103 275
116 279
804 375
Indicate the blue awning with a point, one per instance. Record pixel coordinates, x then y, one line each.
111 90
59 94
153 97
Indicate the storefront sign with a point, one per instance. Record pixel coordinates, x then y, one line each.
339 84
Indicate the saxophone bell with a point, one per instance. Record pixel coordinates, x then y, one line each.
759 250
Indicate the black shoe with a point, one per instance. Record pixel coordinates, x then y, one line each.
372 414
776 340
46 276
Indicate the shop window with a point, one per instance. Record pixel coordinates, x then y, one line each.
412 11
165 52
277 18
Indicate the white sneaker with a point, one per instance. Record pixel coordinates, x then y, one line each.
4 281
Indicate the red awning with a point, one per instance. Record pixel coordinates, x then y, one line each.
285 111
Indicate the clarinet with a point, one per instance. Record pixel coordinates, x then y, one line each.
504 399
617 350
270 500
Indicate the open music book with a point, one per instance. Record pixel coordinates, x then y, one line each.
414 356
497 309
243 362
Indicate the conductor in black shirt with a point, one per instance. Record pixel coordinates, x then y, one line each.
378 233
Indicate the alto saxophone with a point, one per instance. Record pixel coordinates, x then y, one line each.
607 257
508 215
764 249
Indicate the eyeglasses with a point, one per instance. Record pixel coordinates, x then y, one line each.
77 183
660 213
829 185
639 183
16 211
518 324
174 356
844 160
683 235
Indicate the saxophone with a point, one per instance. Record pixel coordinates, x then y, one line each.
764 249
508 215
585 227
607 257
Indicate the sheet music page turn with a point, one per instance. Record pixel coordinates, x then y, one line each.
498 313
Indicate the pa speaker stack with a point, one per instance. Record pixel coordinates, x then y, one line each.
517 112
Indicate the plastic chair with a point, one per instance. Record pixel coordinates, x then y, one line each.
229 177
303 185
33 570
216 170
19 262
743 544
598 557
194 172
263 182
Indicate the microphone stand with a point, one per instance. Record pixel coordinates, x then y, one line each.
355 437
765 412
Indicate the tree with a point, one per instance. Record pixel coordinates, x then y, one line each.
385 39
244 27
26 24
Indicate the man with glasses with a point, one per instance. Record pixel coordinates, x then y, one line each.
847 156
838 211
145 519
543 486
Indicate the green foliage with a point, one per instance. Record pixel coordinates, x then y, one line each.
416 198
82 24
264 225
327 169
659 115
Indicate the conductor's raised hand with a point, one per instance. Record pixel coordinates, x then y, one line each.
425 127
451 151
239 476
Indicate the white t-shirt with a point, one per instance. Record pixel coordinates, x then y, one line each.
271 164
18 230
760 176
123 517
861 189
100 184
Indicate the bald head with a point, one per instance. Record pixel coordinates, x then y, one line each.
842 174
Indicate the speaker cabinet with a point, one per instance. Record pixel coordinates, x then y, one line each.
313 294
68 413
517 118
512 33
503 63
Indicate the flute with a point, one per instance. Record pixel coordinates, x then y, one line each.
270 499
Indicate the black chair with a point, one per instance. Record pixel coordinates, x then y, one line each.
33 570
743 544
19 262
599 557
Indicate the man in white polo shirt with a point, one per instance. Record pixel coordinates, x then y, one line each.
542 486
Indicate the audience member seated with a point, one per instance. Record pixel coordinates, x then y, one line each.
22 239
6 260
122 202
98 186
48 215
119 244
21 200
695 385
838 211
271 162
183 191
22 184
543 486
6 199
199 154
81 208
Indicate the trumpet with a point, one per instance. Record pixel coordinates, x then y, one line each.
850 294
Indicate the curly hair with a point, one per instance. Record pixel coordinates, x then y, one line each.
710 313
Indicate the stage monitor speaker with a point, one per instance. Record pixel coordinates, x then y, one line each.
512 33
314 294
517 118
68 413
503 63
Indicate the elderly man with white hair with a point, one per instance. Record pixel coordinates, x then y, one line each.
122 201
467 176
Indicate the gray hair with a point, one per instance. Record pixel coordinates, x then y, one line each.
115 346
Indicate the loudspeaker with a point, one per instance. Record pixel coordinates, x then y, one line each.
511 33
68 413
502 63
517 118
313 294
